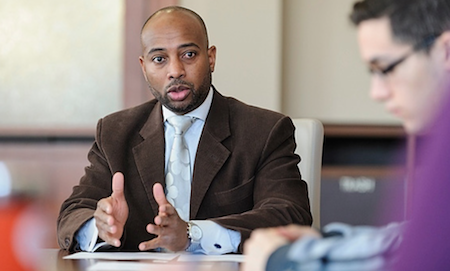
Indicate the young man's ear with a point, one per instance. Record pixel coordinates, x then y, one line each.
445 42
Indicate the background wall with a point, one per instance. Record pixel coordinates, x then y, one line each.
248 37
323 76
61 68
61 62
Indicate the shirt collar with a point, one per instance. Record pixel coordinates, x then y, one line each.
200 112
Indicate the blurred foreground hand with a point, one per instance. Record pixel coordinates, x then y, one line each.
263 242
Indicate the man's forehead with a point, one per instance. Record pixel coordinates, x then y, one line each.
376 41
167 27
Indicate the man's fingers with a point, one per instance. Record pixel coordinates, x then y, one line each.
158 194
172 237
165 219
108 233
167 209
110 240
152 244
155 242
117 186
103 218
104 205
154 229
115 242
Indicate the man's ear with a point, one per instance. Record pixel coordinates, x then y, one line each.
445 42
142 62
212 57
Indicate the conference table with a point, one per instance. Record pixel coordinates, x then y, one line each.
24 225
61 260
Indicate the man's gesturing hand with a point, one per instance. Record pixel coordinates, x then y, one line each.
169 227
112 213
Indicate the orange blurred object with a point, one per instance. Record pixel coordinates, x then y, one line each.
23 232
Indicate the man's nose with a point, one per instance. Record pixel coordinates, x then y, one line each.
176 69
379 90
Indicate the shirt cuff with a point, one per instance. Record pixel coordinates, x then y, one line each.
87 237
216 240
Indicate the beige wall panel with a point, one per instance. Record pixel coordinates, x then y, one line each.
248 38
61 62
323 76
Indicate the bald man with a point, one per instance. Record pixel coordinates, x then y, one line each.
244 172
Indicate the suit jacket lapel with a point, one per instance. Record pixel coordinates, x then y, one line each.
211 154
149 154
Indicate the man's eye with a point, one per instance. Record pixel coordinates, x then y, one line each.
158 59
189 54
389 69
375 70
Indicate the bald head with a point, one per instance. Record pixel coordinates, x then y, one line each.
175 12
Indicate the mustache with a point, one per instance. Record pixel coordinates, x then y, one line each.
176 82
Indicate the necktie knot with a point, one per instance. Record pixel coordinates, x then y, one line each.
180 123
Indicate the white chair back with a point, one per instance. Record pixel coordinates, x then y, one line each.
309 138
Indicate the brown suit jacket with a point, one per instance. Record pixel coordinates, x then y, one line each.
245 173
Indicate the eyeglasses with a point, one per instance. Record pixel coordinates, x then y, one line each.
426 43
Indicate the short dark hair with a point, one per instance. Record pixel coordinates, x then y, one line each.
412 21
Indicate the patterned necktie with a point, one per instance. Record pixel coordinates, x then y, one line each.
178 177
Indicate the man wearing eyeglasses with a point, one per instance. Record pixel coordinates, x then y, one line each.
405 59
406 45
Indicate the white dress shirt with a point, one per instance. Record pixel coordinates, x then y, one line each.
216 239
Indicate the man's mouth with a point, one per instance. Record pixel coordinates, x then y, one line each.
178 92
394 111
